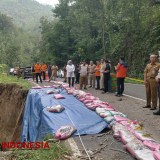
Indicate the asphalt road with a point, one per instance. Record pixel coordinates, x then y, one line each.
135 90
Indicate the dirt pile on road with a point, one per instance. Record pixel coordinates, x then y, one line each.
12 99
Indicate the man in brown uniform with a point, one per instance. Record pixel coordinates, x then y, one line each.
151 85
92 76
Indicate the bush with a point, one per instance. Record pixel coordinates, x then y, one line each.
3 68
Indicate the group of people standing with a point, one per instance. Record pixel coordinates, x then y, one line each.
97 75
39 70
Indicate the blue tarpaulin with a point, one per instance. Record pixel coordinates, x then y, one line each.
38 122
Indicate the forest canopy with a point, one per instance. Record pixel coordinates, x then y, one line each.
91 29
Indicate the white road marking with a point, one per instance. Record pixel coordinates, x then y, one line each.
135 98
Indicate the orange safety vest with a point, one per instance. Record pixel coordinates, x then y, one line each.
121 71
37 68
44 67
98 67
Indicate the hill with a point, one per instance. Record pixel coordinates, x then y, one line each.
25 13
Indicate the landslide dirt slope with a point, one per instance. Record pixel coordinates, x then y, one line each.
12 99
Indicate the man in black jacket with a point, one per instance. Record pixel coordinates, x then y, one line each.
106 75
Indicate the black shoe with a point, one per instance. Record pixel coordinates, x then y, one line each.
85 88
90 87
96 88
157 113
152 108
147 107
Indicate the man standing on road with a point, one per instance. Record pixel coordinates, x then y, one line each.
151 85
83 75
43 69
106 75
103 66
54 73
65 73
37 68
33 72
49 67
121 70
91 69
77 73
70 73
97 73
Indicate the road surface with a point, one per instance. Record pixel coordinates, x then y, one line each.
135 90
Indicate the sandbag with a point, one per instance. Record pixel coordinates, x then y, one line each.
56 86
112 124
154 146
101 102
87 101
156 155
75 92
37 87
103 112
116 130
114 113
82 99
58 96
55 109
91 106
109 119
126 136
52 91
143 136
47 86
65 132
120 118
91 97
139 151
106 114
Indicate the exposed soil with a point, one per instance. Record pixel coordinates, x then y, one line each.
12 99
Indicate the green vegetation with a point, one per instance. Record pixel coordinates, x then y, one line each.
20 32
79 29
25 14
7 79
133 81
91 29
56 152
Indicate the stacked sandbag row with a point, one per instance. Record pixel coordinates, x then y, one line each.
136 140
134 137
103 109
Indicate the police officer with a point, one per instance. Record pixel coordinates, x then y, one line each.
150 72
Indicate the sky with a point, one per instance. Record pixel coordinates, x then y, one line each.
49 2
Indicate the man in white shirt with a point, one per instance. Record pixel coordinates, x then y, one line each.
70 73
